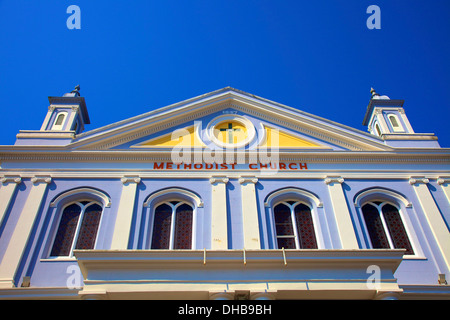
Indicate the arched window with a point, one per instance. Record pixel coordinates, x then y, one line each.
378 130
172 226
77 220
385 226
59 122
395 123
77 229
169 220
294 226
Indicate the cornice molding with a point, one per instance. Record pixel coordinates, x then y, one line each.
165 156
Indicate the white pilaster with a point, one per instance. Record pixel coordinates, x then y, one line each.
433 215
219 232
250 213
19 238
341 213
444 182
124 218
47 118
405 120
381 120
7 187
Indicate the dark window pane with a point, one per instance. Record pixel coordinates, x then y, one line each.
396 229
161 227
59 119
287 243
89 227
305 227
375 227
66 231
183 227
283 221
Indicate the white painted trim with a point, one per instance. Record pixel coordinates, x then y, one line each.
7 189
384 192
219 223
250 213
58 127
19 238
341 211
299 192
198 201
399 127
444 182
106 201
251 131
434 217
125 212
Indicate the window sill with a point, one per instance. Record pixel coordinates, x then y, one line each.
59 259
407 257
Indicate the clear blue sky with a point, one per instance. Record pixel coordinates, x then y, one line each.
131 57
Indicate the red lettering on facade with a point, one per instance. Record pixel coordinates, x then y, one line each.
208 166
303 166
187 166
158 166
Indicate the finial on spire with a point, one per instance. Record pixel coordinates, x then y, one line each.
373 92
74 93
375 95
76 90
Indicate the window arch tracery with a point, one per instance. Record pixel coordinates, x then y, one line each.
295 219
382 219
171 216
78 215
294 225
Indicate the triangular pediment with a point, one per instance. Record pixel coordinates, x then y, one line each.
228 118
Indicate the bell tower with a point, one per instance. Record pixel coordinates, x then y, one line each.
387 119
67 113
66 117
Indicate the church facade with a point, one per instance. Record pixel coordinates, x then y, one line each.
224 196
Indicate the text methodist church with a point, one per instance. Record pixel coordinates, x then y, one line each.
224 196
